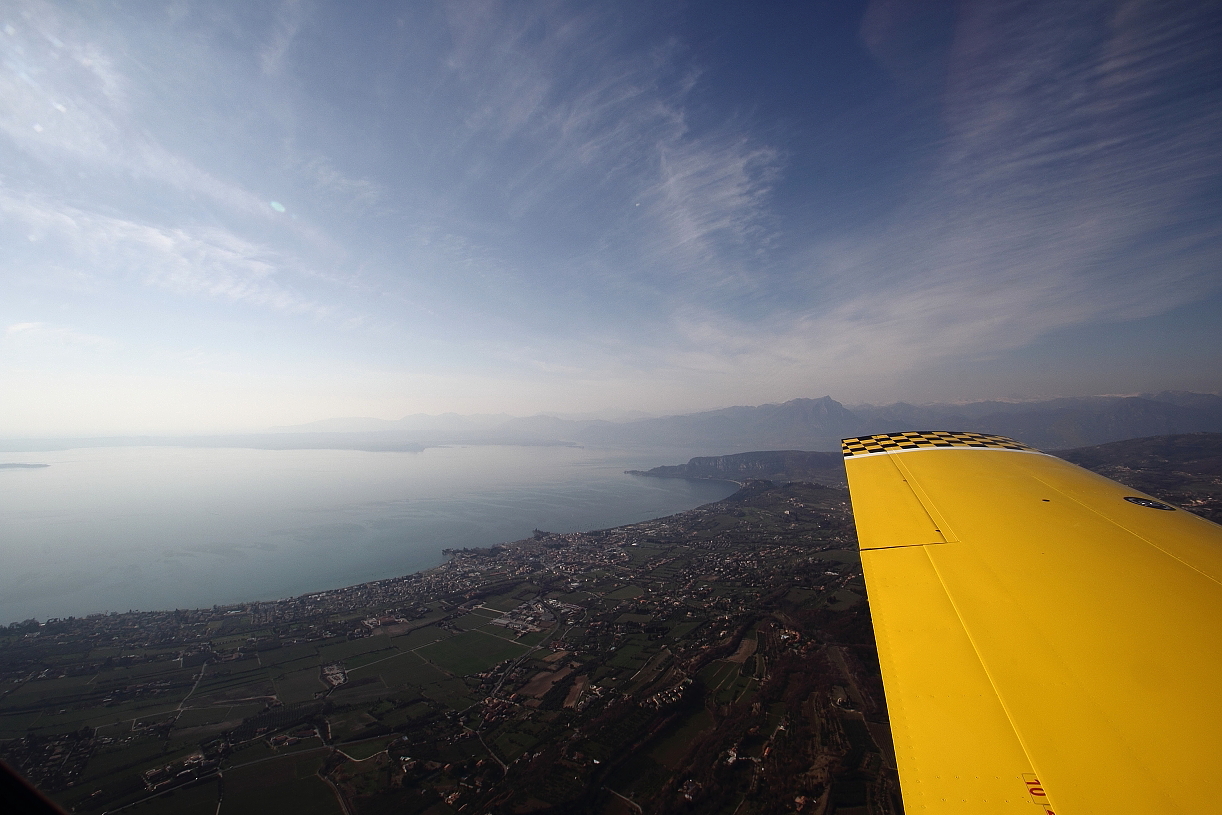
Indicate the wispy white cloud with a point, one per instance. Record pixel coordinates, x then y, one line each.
65 100
289 17
602 121
41 338
65 104
1071 187
207 261
1066 191
40 332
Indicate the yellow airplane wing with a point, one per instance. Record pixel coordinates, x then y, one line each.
1047 636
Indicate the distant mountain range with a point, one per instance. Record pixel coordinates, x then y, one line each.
800 424
819 424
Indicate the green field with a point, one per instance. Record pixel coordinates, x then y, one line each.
419 637
370 657
450 692
717 673
407 714
108 759
634 618
843 599
43 692
254 751
674 745
401 670
195 717
349 724
475 619
288 784
626 593
299 686
470 652
289 653
343 650
198 800
233 681
504 602
361 750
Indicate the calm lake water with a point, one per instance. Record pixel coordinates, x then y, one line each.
112 529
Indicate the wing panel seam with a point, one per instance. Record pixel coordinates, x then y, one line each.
940 523
983 665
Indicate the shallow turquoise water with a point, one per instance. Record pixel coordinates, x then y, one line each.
112 529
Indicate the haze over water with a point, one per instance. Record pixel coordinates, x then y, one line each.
113 529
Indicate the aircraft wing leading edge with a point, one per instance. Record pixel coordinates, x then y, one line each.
1047 636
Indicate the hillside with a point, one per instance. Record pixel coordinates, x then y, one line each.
770 465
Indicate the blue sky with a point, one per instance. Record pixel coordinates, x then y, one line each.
231 215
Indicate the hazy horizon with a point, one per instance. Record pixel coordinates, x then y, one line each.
227 217
337 423
361 433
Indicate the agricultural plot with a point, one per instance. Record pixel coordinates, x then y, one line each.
361 690
116 773
470 652
637 619
503 602
370 657
122 715
716 673
361 750
42 693
288 784
244 680
474 619
452 693
633 654
419 637
134 674
288 653
529 640
201 799
346 725
299 686
14 726
403 715
406 669
843 600
136 753
194 717
293 665
254 751
343 650
678 739
626 593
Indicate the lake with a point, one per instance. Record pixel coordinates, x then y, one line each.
113 529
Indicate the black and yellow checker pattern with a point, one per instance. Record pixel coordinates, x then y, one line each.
917 439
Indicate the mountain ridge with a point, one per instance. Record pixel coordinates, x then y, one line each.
811 424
